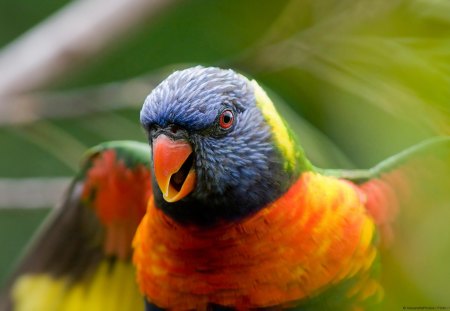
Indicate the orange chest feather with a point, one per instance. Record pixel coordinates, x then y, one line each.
316 235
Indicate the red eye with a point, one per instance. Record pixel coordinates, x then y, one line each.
226 119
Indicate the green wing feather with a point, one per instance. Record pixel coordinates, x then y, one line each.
437 148
65 266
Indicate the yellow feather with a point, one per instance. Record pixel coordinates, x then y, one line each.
110 288
283 139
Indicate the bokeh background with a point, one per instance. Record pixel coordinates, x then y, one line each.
357 80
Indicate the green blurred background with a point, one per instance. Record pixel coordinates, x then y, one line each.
357 80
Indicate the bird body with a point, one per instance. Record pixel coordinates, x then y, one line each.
314 237
224 211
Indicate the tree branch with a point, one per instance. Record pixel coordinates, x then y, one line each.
59 44
32 192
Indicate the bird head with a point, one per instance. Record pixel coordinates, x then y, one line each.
220 151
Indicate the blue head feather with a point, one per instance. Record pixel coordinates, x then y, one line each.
239 170
192 98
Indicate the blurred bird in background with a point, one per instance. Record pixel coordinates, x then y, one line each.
357 81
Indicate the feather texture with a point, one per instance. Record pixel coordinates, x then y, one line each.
80 259
312 238
111 287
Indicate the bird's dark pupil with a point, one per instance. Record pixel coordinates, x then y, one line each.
226 119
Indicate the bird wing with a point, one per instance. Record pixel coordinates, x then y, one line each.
416 176
438 148
80 258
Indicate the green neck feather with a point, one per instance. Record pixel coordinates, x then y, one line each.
293 154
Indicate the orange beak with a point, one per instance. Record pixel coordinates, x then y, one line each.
173 168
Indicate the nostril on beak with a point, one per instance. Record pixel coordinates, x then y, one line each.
174 129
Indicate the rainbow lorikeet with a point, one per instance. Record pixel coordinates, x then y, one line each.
223 211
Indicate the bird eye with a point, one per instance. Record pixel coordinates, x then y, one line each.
226 119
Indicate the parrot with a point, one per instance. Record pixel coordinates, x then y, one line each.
220 210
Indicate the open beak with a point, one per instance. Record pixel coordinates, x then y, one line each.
173 167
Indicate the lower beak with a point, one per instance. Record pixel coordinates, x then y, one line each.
173 167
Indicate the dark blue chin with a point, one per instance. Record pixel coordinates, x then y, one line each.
234 204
